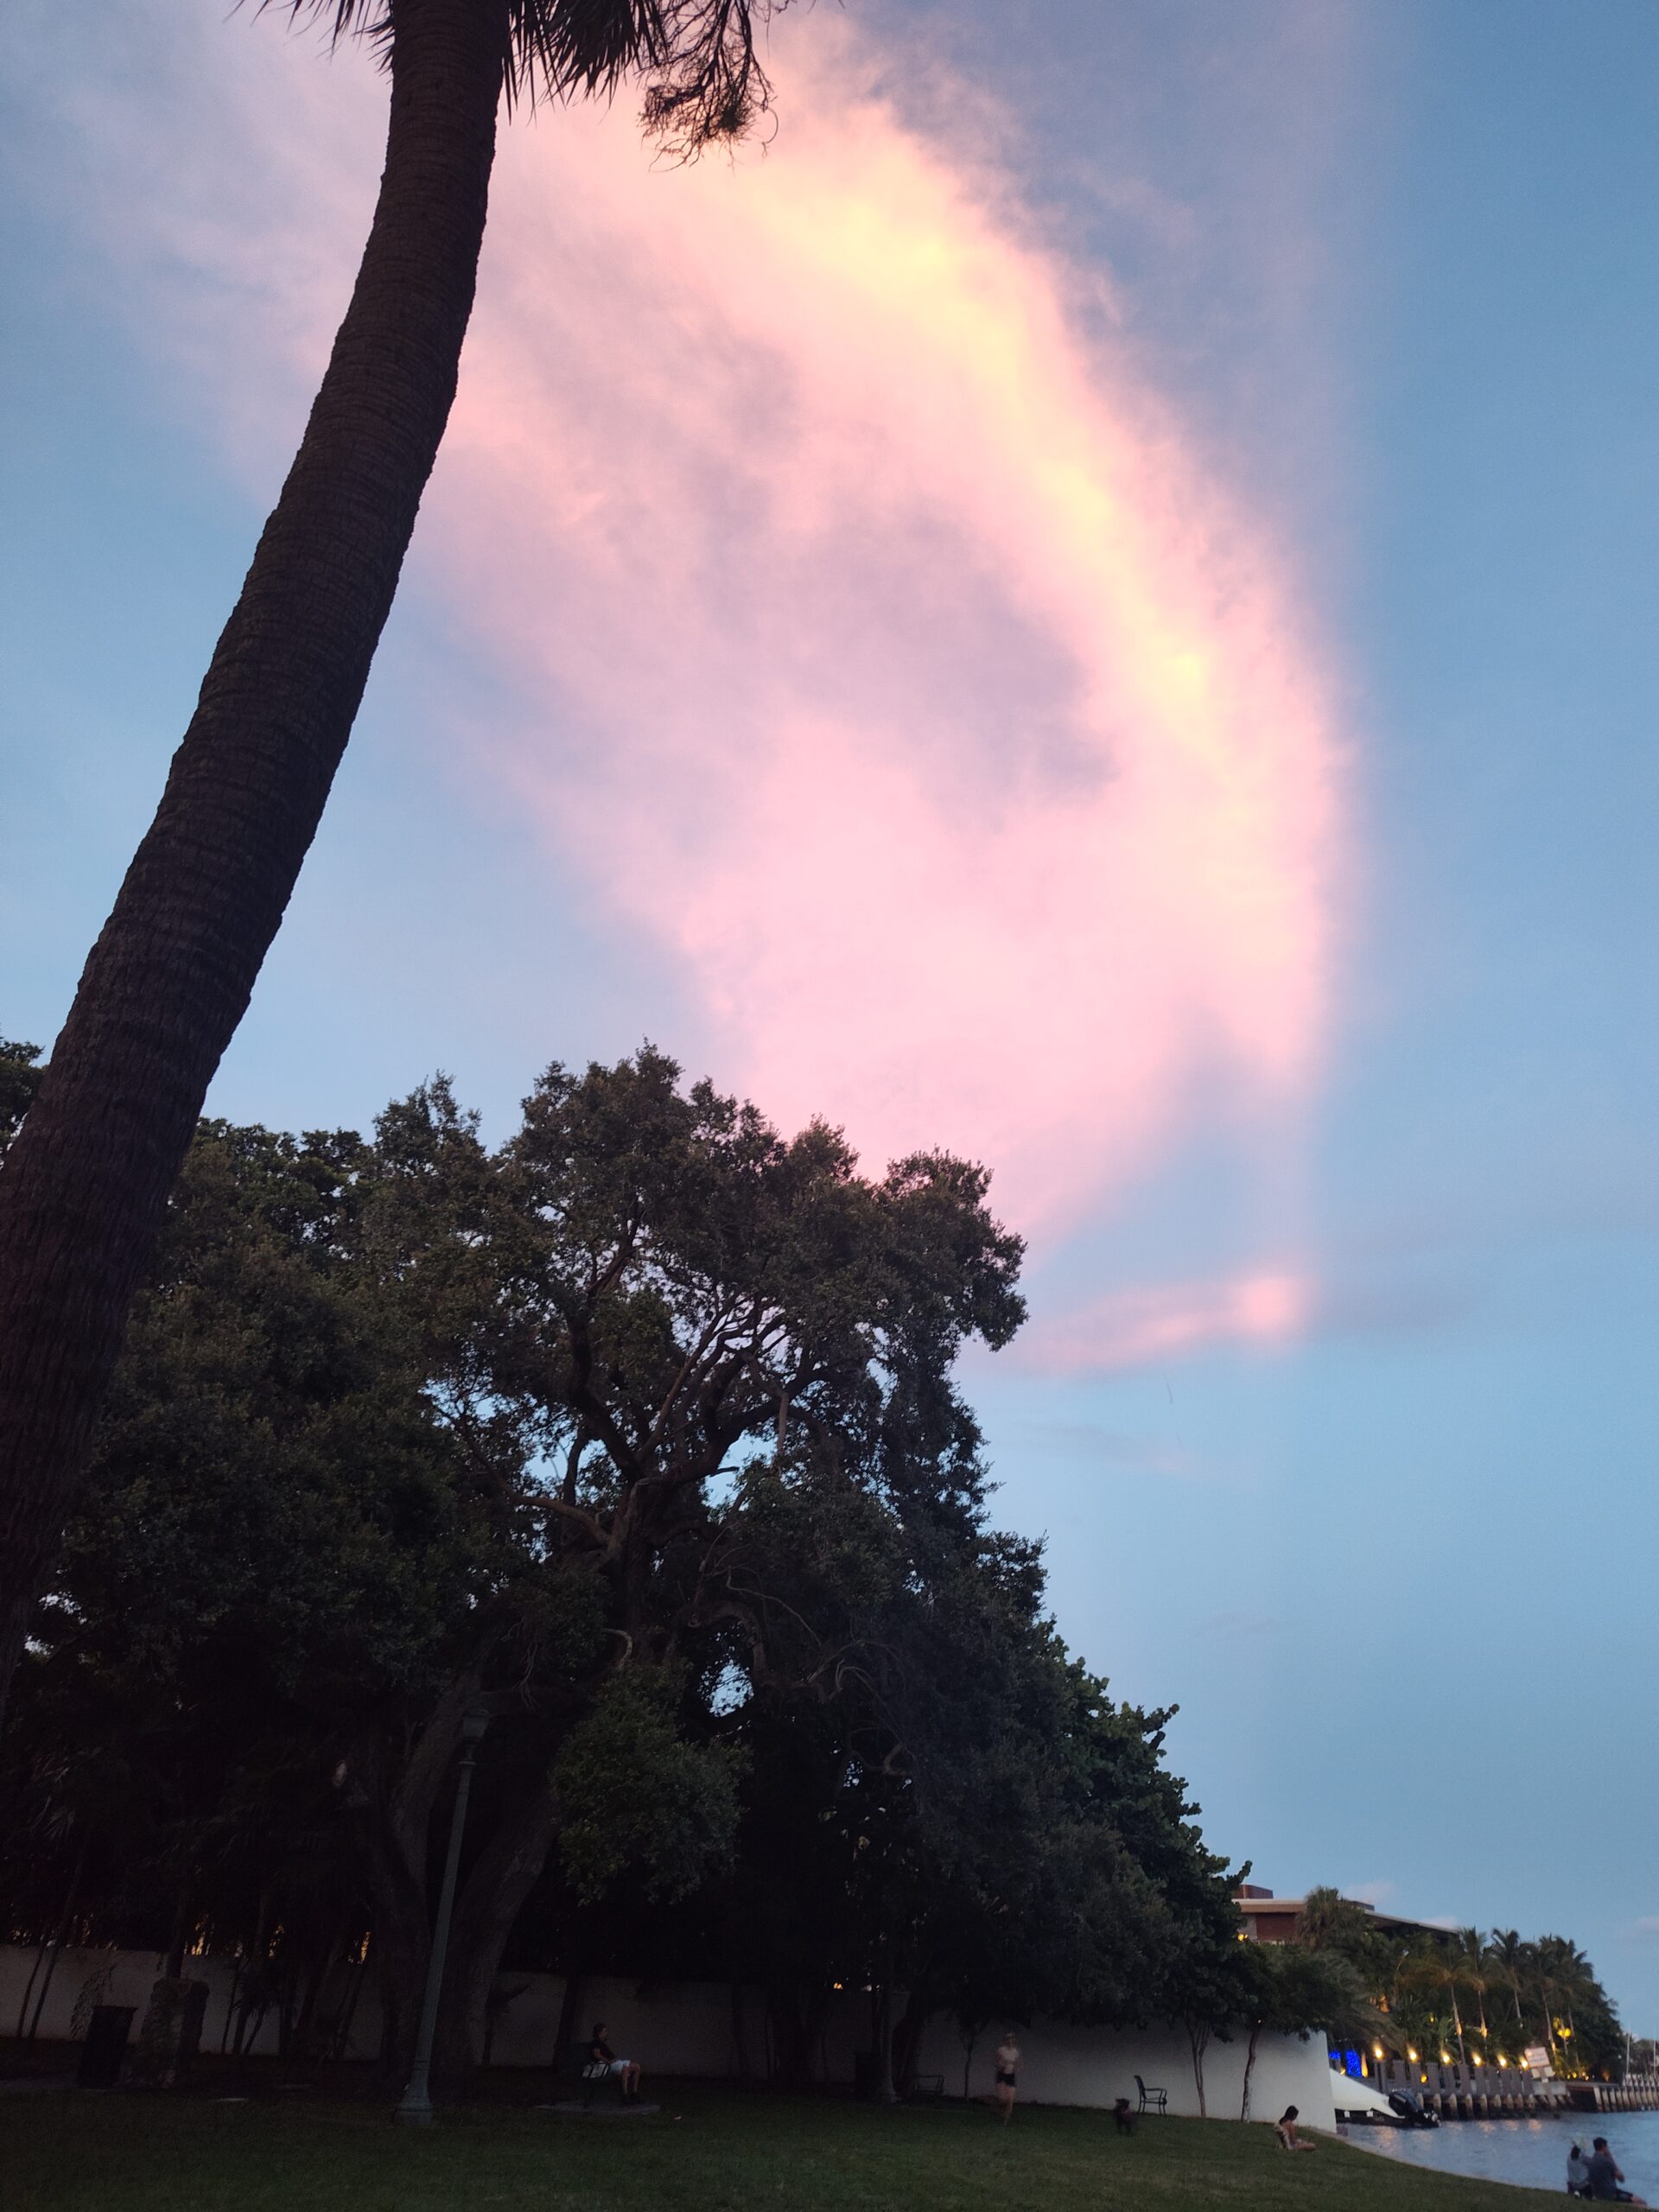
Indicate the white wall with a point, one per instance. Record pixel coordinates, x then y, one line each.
687 2028
1061 2065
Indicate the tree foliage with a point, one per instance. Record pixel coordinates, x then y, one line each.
1468 1993
639 1431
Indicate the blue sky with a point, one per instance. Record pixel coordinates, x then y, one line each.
1391 265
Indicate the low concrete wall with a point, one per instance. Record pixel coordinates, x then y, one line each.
1064 2065
695 2029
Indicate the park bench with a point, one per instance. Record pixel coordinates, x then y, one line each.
1153 2100
574 2066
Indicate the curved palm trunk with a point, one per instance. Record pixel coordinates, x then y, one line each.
84 1188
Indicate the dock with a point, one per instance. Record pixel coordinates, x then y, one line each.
1462 2091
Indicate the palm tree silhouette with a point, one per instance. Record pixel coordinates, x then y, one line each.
84 1183
1469 1952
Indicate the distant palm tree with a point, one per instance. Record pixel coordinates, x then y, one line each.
1506 1958
1435 1971
1469 1956
84 1184
1564 1977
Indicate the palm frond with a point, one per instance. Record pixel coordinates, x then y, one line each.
704 81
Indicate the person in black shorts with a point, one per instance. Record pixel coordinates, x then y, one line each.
1007 2074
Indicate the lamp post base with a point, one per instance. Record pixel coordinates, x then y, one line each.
416 2110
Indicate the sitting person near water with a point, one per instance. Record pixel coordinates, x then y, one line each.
1285 2129
1578 2173
603 2060
1605 2177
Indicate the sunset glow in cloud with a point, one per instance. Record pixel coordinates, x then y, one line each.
935 711
1136 1328
891 662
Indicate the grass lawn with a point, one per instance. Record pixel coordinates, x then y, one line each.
705 2152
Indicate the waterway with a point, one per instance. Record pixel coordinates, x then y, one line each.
1531 2151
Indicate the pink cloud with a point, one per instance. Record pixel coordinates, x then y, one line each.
936 712
1136 1328
893 661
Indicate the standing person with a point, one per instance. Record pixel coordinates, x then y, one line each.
1285 2128
603 2060
1007 2074
1606 2177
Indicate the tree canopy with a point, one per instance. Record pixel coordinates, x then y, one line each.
640 1432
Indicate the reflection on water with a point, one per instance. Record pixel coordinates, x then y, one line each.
1533 2152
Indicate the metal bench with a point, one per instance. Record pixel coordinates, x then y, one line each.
574 2066
1153 2100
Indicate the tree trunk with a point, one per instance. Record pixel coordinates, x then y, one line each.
342 2042
1250 2068
489 1901
907 2037
84 1188
1198 2037
969 2042
740 2044
881 2030
50 1953
569 2012
391 1822
175 1967
402 1943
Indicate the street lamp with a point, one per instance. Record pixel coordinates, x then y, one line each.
416 2110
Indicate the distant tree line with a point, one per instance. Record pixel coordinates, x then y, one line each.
1463 1994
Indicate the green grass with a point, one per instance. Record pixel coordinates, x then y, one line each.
705 2152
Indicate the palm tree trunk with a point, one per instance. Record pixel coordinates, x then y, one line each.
85 1185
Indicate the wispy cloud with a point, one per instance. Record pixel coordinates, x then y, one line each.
1091 1443
1136 1327
1377 1893
1239 1627
891 658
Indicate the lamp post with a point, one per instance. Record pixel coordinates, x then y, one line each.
416 2110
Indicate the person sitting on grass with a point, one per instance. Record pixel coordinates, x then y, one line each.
1606 2177
603 2060
1578 2173
1285 2129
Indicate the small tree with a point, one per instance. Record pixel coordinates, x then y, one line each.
1286 1989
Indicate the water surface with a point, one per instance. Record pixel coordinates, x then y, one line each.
1533 2152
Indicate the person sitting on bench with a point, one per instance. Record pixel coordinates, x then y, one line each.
602 2061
